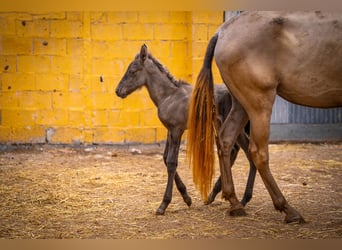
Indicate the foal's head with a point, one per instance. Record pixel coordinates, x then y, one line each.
135 76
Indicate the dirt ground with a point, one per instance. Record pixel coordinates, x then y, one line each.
110 192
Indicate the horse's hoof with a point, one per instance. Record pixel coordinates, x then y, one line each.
292 215
160 211
298 219
237 212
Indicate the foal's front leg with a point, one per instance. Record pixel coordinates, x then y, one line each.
171 162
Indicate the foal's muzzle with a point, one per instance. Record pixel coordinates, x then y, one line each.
120 93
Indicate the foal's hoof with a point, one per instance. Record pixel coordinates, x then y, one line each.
237 212
160 211
188 201
210 200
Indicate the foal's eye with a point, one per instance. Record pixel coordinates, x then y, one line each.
133 71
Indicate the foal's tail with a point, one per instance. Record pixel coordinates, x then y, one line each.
201 125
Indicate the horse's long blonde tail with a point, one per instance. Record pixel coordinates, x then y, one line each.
201 121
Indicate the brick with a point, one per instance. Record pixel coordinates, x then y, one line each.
66 28
67 64
200 32
179 49
8 64
7 26
153 16
77 83
18 82
128 118
51 82
79 118
159 49
198 49
75 47
99 118
171 32
200 17
52 117
34 28
18 117
62 100
180 17
21 16
8 100
122 17
74 15
5 134
109 135
179 67
50 46
138 31
215 17
103 66
34 64
98 17
88 136
28 134
100 48
106 85
66 135
104 31
48 15
161 134
35 100
101 101
212 29
14 46
140 135
149 118
138 100
122 49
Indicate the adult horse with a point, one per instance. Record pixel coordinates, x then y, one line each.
296 55
171 97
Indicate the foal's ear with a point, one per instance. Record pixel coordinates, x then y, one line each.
143 53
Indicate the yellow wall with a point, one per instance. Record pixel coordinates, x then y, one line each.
51 64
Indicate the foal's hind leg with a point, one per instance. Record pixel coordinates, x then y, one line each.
217 186
171 162
243 141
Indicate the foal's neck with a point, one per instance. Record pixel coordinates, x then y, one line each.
159 86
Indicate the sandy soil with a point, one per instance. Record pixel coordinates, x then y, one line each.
108 192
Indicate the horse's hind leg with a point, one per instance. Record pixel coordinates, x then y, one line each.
260 129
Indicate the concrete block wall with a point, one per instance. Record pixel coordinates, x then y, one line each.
59 71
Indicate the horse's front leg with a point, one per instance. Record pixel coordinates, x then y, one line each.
230 130
171 161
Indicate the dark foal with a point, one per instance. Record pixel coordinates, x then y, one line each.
171 97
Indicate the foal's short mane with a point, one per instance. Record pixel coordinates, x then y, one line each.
163 69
